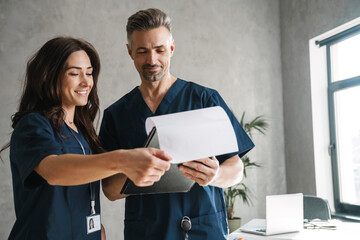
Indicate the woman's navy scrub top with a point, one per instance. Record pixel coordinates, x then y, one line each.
44 211
158 216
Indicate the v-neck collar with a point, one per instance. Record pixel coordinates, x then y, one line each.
165 102
70 129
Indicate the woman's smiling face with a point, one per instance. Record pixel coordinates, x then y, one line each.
77 80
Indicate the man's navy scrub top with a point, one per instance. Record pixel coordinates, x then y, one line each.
158 216
44 211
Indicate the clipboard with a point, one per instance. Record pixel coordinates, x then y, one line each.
172 181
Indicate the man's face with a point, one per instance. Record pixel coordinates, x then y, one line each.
151 51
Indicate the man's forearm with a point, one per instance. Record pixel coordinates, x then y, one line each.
230 173
112 186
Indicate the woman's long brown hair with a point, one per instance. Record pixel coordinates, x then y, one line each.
42 91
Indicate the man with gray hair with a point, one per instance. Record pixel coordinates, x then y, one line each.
160 216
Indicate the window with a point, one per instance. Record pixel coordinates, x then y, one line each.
343 86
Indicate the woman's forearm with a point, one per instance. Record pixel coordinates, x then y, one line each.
143 166
76 169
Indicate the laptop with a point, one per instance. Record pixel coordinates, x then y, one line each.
284 214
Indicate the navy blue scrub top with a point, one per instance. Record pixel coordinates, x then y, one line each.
158 216
44 211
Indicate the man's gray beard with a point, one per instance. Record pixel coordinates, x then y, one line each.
154 78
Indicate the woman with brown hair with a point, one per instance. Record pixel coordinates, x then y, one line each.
55 179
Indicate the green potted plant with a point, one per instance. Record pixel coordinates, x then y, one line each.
241 190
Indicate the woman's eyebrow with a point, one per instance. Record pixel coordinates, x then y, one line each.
90 67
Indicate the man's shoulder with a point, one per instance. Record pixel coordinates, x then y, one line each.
197 87
199 91
123 101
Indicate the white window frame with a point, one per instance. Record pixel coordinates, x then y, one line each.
320 114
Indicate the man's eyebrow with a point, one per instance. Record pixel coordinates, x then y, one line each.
141 48
145 48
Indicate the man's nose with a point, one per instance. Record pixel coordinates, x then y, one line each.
152 58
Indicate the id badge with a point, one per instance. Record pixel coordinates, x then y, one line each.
93 223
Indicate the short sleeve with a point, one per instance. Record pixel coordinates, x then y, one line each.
245 144
107 131
33 139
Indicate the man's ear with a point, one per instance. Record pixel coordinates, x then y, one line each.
129 51
172 47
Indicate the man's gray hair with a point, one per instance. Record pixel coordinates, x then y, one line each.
148 19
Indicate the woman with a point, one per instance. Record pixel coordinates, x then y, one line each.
91 224
55 180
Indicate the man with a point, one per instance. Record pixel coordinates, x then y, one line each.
158 216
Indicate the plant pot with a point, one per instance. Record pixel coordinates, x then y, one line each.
234 224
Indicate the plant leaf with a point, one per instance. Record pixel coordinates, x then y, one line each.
258 124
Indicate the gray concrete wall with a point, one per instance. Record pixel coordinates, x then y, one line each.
302 20
232 46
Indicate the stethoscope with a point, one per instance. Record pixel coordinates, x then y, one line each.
186 226
92 187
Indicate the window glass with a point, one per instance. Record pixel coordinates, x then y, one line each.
347 125
345 59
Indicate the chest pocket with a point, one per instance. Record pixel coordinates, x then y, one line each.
212 226
73 150
71 145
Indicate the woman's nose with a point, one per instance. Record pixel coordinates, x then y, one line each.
86 80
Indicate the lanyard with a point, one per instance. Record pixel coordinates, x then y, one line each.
92 190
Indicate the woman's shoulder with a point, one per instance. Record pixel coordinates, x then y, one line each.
34 116
33 120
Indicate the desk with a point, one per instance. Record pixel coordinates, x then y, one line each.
344 231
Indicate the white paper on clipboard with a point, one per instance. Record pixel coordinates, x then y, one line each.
194 134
